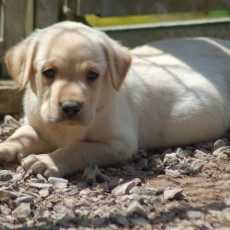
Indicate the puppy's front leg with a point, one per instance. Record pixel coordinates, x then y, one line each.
76 157
23 142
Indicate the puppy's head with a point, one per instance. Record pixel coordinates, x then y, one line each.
71 68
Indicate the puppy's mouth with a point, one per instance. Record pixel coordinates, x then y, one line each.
68 121
77 120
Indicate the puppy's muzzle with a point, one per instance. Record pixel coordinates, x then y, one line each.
71 108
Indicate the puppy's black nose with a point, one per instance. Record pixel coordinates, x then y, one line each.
71 108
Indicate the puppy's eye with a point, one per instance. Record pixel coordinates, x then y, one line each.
49 73
92 76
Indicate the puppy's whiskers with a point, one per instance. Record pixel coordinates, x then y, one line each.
85 99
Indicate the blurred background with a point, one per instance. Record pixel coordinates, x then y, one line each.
132 22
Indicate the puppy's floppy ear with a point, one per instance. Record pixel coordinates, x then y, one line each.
19 60
119 60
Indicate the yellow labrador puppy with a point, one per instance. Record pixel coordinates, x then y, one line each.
91 101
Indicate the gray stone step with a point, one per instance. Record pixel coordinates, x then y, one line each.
10 98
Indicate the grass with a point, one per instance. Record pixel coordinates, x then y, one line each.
154 18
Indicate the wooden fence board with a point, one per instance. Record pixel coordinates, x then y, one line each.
70 12
133 38
29 17
134 7
70 9
14 25
14 22
47 13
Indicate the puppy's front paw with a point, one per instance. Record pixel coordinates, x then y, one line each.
41 164
8 153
